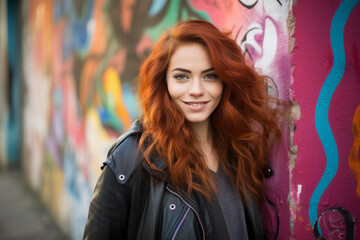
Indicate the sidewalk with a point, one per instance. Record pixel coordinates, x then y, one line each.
22 216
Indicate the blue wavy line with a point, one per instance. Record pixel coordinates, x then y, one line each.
322 107
156 7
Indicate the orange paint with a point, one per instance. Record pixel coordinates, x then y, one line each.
127 13
87 82
99 42
354 162
41 34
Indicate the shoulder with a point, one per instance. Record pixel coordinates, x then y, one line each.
135 129
124 157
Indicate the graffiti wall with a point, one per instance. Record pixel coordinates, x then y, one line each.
325 180
3 84
81 61
10 85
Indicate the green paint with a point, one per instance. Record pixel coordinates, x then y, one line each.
172 17
113 121
184 13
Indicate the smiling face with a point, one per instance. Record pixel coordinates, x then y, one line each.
193 83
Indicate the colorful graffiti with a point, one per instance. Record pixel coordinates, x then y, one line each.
3 84
79 69
326 206
323 103
82 60
10 85
354 158
260 28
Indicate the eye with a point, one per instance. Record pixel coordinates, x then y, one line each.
180 76
211 76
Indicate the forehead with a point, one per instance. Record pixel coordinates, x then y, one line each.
190 55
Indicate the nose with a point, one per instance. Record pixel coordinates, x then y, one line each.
196 88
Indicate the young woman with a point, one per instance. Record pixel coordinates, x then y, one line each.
192 166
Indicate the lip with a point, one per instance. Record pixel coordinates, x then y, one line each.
196 105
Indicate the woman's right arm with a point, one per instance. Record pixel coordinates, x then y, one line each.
108 212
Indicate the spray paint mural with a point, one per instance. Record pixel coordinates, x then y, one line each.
326 86
82 58
10 85
3 84
81 61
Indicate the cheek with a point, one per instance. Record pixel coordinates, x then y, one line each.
217 90
173 90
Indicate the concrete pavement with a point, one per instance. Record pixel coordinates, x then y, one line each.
22 216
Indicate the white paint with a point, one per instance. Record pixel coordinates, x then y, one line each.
299 187
37 102
269 46
250 38
274 9
90 27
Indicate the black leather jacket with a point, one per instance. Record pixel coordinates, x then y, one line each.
130 204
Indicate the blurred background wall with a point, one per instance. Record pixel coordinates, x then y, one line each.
10 83
67 90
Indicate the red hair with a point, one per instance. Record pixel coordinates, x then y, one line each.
243 124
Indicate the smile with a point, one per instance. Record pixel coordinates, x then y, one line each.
195 104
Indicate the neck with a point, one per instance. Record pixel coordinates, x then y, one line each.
203 132
204 135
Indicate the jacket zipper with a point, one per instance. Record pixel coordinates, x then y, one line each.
192 208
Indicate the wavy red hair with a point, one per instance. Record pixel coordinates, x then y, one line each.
244 123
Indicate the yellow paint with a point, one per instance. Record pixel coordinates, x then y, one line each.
97 140
58 191
113 90
52 186
354 162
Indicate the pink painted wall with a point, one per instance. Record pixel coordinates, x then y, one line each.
326 172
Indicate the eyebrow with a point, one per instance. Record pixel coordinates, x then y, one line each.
188 71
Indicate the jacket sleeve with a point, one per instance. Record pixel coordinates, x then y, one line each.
108 212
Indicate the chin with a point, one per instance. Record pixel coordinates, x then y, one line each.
196 120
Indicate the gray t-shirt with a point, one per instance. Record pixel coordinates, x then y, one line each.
231 206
